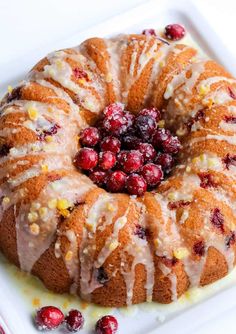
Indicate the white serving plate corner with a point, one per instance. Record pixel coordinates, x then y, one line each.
14 310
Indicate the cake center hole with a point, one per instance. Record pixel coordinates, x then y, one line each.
127 153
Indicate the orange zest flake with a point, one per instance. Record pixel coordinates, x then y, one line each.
36 302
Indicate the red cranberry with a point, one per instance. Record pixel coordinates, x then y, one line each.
217 219
207 180
48 318
174 32
107 160
229 160
102 276
230 119
159 137
99 177
14 95
199 248
111 144
116 181
130 142
2 330
140 231
74 321
178 204
112 109
116 124
130 161
86 158
151 112
136 185
171 145
147 151
80 74
107 325
152 174
166 161
149 32
130 118
89 137
145 126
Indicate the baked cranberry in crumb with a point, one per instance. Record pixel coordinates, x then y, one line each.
86 158
165 160
107 325
89 137
151 112
99 177
217 219
107 160
111 144
174 32
49 318
152 174
136 185
130 161
147 151
116 181
199 248
140 231
74 321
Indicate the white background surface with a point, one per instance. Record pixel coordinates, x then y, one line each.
29 24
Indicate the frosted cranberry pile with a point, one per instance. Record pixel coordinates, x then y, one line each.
50 317
127 153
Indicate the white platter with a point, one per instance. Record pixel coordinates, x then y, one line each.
187 314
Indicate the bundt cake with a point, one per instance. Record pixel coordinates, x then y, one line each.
75 236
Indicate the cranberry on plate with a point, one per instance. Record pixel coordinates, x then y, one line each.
74 321
49 318
107 325
174 31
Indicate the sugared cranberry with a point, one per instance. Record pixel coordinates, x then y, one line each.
111 144
199 248
145 126
107 325
151 112
107 160
130 142
130 161
166 161
74 321
89 137
86 158
136 185
159 137
174 32
48 318
116 124
130 118
147 151
217 219
149 32
102 276
112 109
152 174
80 74
140 231
171 145
116 182
99 177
